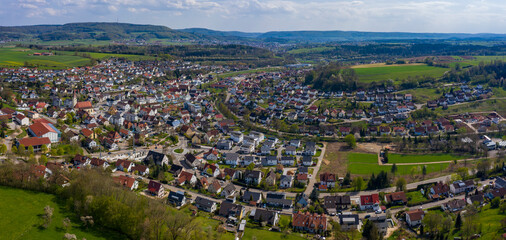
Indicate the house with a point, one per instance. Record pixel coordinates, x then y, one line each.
175 170
186 178
96 162
499 192
248 160
500 182
302 199
156 158
369 202
269 160
287 161
232 159
328 179
286 181
439 189
84 106
229 209
228 190
124 165
176 198
140 170
479 198
334 203
212 170
270 179
461 186
247 148
381 224
396 198
414 218
81 161
229 174
307 161
295 143
224 145
156 188
211 155
214 187
350 222
310 149
127 182
278 200
35 142
236 136
252 197
41 129
205 204
308 222
21 119
263 215
191 160
291 150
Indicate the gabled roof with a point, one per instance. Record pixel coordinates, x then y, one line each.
34 141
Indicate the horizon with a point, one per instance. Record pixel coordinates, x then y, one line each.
253 16
300 30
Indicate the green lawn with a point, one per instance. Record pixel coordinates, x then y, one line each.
422 95
16 57
95 55
362 158
411 158
258 70
490 220
415 197
20 218
368 168
256 233
486 105
371 74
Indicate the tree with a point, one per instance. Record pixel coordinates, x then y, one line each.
43 148
48 214
315 194
67 224
14 149
30 150
357 183
251 166
424 170
21 149
495 202
347 179
350 140
3 149
463 172
393 169
400 184
370 231
458 222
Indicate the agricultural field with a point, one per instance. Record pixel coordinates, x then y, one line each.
17 57
362 158
21 218
95 55
380 73
258 70
413 158
310 50
256 233
366 169
476 60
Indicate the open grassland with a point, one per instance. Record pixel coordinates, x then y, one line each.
497 105
400 72
490 221
17 57
340 160
310 50
422 95
21 212
477 59
373 65
258 70
256 233
92 42
95 55
412 158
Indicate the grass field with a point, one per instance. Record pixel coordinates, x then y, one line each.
490 220
415 197
477 60
400 72
422 95
21 212
310 50
258 70
411 158
16 57
95 55
481 106
256 233
368 168
362 158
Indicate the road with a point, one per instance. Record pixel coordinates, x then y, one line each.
313 180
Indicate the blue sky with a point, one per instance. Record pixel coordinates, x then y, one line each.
463 16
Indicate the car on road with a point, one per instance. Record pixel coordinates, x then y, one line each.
367 216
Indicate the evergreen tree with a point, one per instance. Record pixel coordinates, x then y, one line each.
458 222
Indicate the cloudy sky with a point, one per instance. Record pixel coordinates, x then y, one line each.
463 16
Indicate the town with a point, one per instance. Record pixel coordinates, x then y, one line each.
263 150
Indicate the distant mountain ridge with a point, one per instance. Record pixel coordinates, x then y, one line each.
116 31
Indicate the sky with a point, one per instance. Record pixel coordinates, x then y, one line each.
438 16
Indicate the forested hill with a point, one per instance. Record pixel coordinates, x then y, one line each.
119 31
93 30
336 36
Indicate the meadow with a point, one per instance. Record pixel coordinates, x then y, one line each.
422 95
17 57
400 72
413 158
21 218
482 106
258 70
96 55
